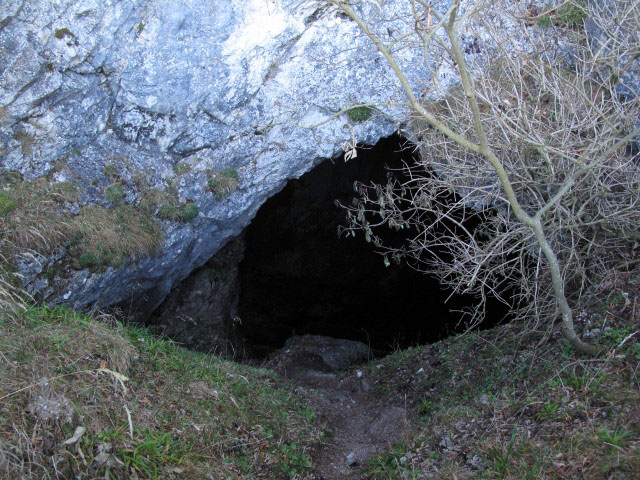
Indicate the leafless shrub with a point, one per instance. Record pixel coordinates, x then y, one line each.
526 160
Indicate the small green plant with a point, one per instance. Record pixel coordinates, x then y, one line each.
109 170
114 193
425 407
182 213
189 212
7 203
616 439
615 337
500 458
223 182
169 212
388 465
181 168
567 350
148 456
294 460
548 410
618 300
545 22
571 13
580 382
359 114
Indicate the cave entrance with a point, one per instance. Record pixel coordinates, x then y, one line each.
298 277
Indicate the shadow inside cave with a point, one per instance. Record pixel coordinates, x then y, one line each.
299 277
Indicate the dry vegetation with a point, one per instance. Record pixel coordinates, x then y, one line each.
528 178
88 398
106 237
223 183
499 405
36 218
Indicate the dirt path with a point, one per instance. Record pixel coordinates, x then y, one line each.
361 423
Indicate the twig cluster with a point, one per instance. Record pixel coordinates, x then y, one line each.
528 178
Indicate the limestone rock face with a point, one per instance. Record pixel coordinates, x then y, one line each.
138 86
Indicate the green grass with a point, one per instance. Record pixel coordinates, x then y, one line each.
547 411
7 203
616 439
185 212
35 219
165 205
181 168
388 465
190 415
571 14
114 193
527 410
223 183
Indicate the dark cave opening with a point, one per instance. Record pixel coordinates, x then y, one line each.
299 277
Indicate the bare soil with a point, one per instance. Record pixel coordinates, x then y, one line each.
361 422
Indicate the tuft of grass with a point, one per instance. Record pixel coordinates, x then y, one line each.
114 193
26 142
165 205
189 212
110 170
389 465
34 219
181 213
181 168
547 411
570 14
101 237
224 182
31 213
616 439
359 114
545 22
7 203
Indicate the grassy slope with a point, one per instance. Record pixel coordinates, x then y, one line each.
491 405
500 404
191 415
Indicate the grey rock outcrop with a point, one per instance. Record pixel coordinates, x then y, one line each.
336 353
140 86
315 359
201 311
